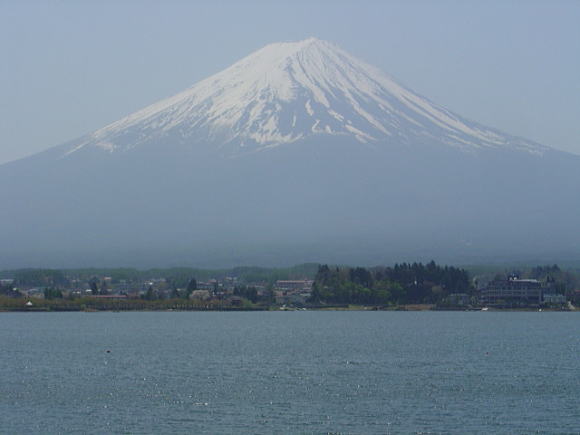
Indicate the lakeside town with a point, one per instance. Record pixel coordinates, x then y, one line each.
403 287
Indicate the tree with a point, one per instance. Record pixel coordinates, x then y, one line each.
269 296
93 286
104 289
8 290
191 287
315 294
52 293
250 293
150 295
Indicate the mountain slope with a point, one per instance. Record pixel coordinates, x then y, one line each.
287 92
298 152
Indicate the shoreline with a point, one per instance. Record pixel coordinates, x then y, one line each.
403 308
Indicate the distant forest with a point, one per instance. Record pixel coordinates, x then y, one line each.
401 284
178 276
404 283
419 283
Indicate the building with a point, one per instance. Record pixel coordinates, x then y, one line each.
203 295
512 292
554 299
109 297
301 285
458 299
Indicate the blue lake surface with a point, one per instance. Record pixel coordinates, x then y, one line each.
290 372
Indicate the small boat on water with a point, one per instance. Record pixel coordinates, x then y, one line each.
485 309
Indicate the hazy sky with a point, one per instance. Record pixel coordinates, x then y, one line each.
70 67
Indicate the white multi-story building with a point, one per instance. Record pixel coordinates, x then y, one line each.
513 292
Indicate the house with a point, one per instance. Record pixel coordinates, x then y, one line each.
211 285
300 285
458 299
512 292
236 301
203 295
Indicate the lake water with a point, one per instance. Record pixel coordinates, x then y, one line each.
290 372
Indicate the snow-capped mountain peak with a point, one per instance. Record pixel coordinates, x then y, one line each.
290 91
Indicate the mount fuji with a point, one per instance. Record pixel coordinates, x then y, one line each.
288 92
298 152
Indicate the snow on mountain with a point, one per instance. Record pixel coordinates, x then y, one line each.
290 91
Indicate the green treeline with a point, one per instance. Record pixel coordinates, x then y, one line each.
37 277
404 283
253 287
177 276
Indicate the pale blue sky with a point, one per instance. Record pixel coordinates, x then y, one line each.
70 67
